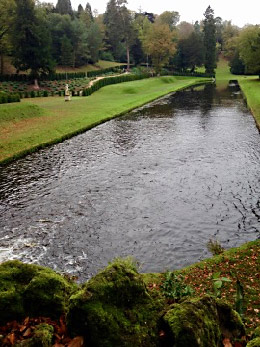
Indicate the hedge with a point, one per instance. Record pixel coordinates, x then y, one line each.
9 97
113 80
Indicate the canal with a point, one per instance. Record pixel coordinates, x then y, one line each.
155 184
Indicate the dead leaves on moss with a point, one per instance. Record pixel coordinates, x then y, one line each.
14 332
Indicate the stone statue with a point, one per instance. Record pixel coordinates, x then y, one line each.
67 93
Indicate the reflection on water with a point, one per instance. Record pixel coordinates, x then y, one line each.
156 184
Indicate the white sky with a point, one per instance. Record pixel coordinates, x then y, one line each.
238 11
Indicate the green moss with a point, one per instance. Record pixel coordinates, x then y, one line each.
28 290
42 337
201 322
193 323
229 319
115 309
254 343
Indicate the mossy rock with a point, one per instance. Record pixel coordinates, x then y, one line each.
254 343
230 322
42 337
114 309
200 322
192 323
31 290
256 333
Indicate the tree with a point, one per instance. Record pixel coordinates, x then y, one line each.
159 44
209 30
94 42
249 48
64 7
184 30
86 16
7 8
119 28
190 52
31 40
170 18
113 28
128 33
67 52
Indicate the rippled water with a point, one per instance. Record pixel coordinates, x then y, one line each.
156 184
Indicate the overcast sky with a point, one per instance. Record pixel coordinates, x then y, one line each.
240 12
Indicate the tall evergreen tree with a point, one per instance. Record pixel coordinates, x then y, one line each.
113 28
31 40
209 30
64 7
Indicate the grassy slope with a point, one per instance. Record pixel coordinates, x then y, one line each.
59 120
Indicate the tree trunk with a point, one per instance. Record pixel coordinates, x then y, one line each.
128 57
36 85
1 64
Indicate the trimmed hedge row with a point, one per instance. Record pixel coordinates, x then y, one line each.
60 76
193 74
113 80
9 97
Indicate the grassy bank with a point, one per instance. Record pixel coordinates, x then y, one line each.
241 263
56 120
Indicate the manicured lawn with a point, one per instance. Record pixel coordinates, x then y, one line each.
59 119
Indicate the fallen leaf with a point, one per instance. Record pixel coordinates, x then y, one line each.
27 332
227 343
11 338
76 342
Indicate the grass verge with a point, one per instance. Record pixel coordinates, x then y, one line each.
56 120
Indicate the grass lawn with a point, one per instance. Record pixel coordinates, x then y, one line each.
54 119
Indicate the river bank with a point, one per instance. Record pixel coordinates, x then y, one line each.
39 122
121 307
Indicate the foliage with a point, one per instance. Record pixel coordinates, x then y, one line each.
237 67
173 287
170 18
31 40
6 21
190 52
218 283
9 97
214 247
64 7
159 44
249 48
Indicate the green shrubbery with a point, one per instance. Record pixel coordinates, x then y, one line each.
9 97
